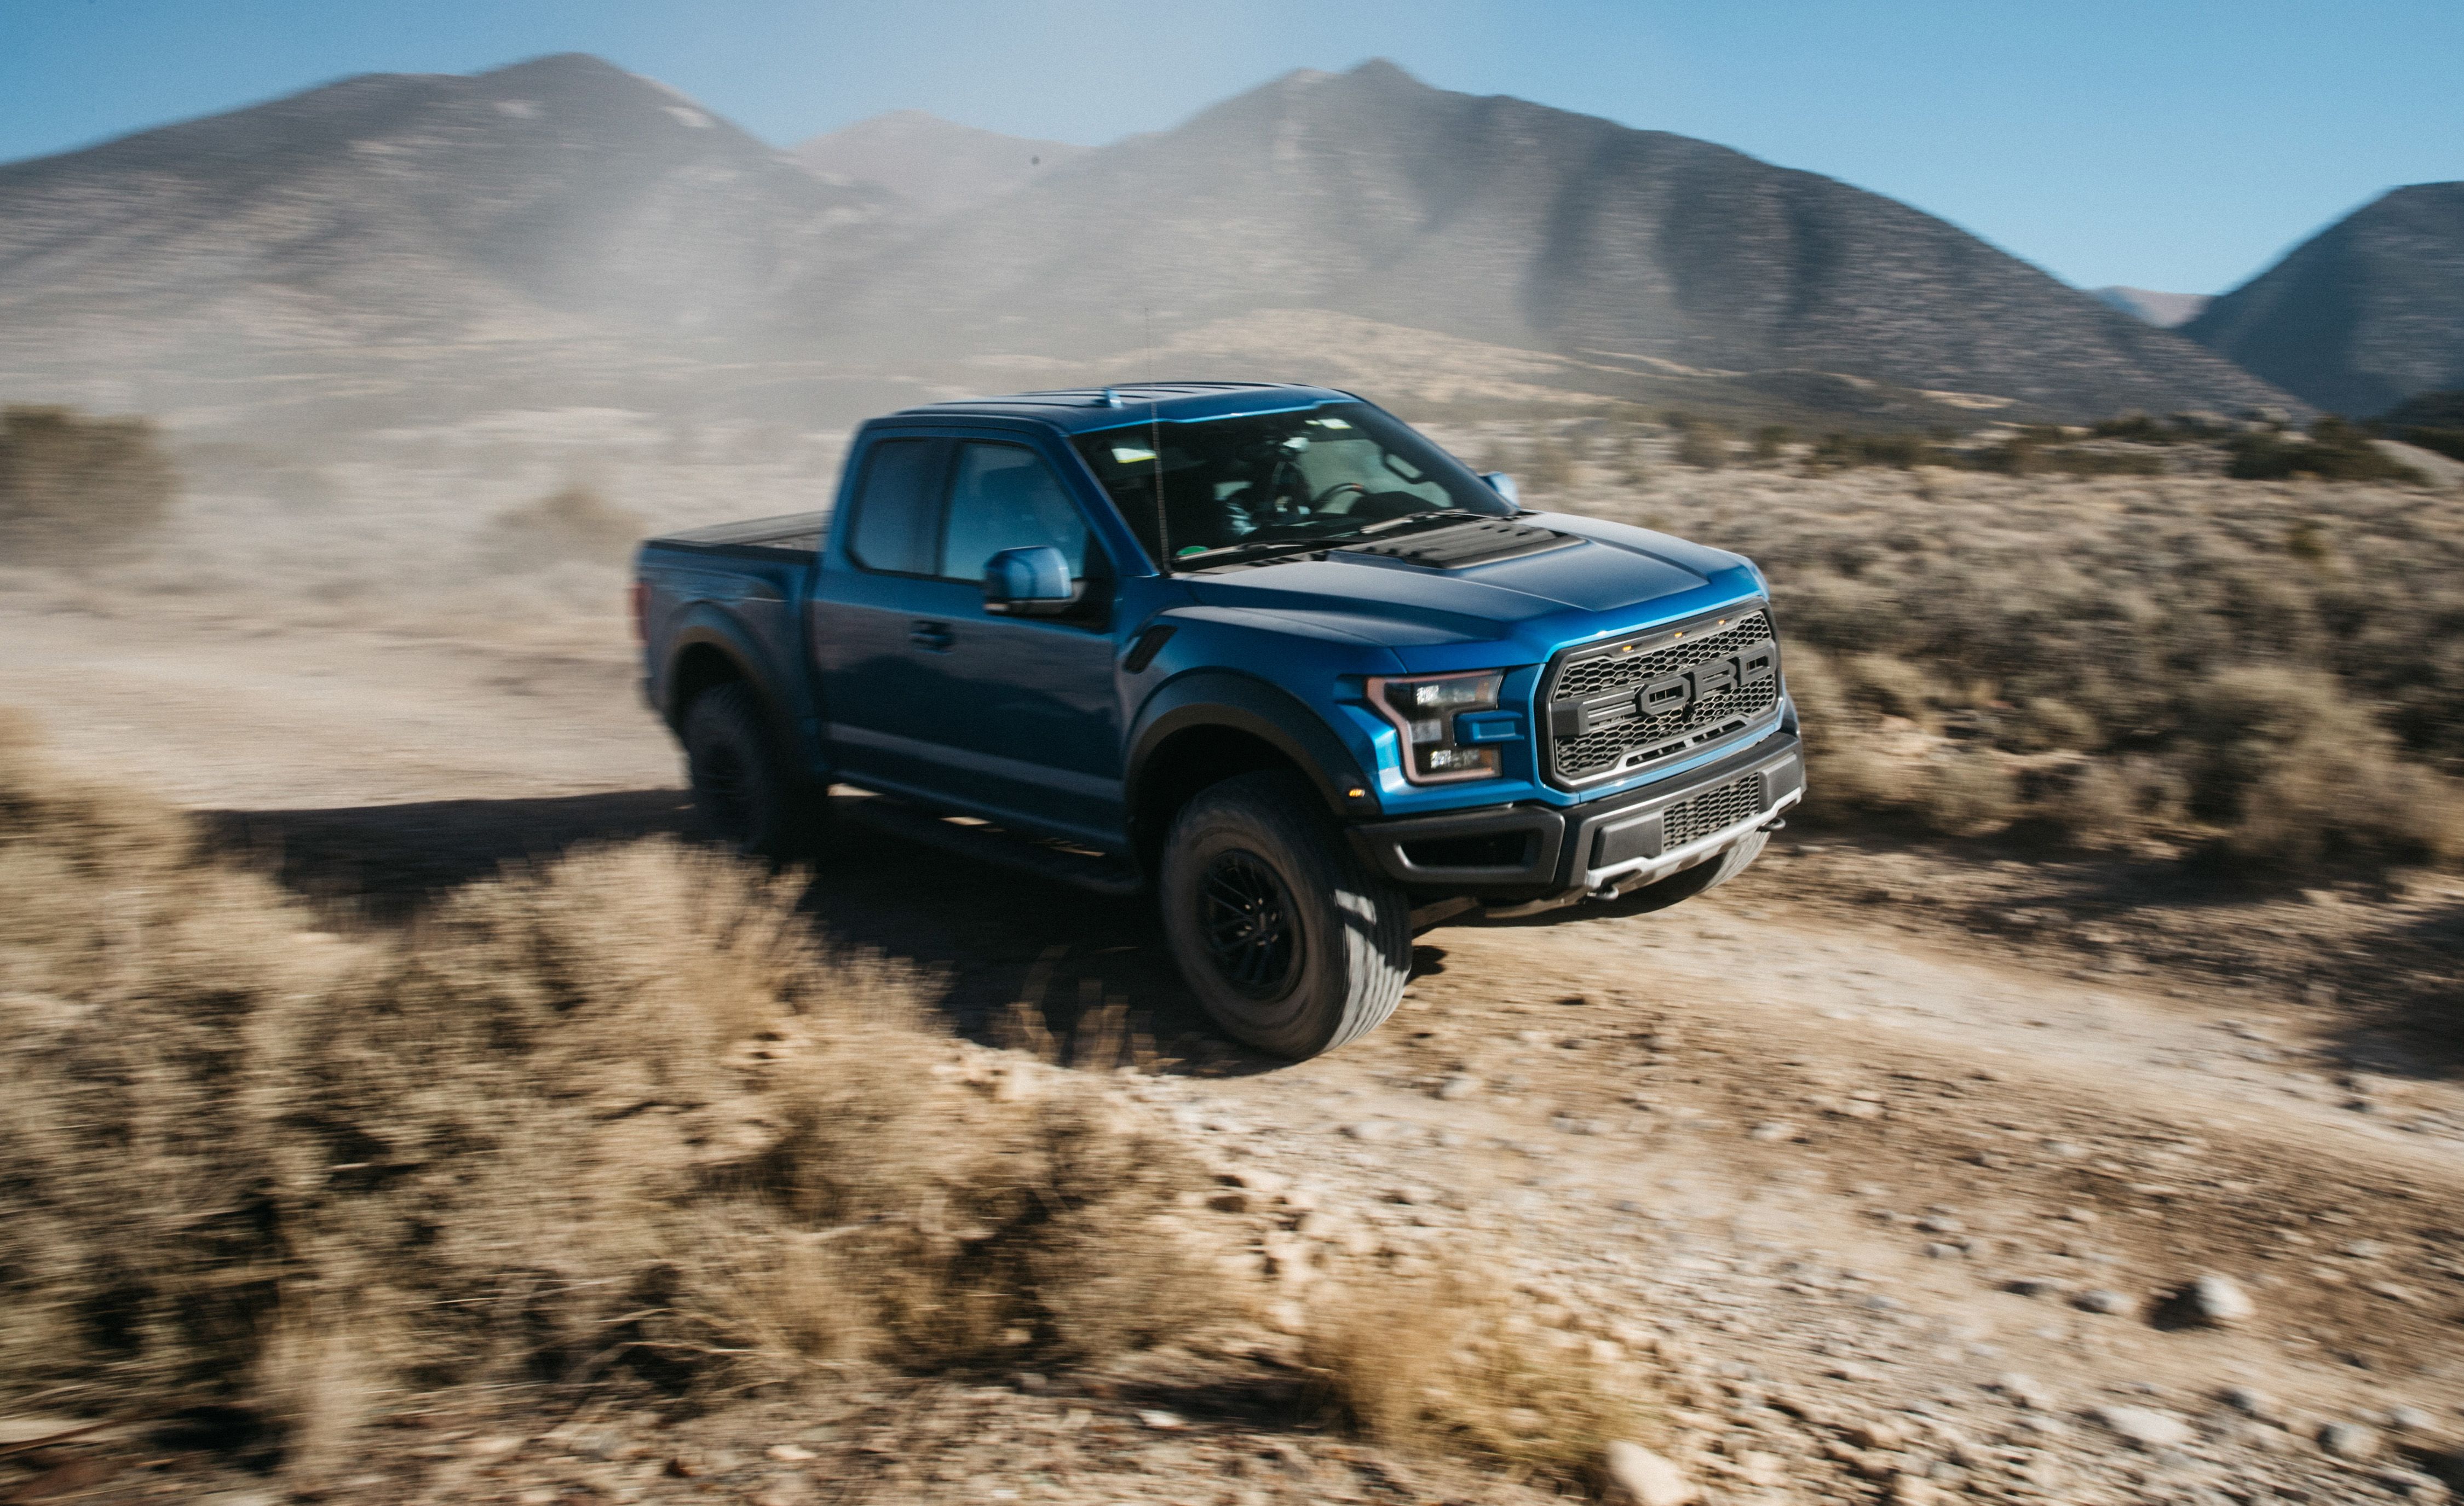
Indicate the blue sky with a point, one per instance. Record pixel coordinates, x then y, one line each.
2180 147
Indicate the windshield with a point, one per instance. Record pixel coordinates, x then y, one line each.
1226 487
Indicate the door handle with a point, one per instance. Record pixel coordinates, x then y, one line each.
933 635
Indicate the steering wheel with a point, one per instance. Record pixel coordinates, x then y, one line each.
1327 495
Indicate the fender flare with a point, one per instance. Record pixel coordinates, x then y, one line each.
705 626
1272 715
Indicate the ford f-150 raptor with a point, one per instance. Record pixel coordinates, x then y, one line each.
1264 651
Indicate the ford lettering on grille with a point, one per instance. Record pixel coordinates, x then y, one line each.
1616 707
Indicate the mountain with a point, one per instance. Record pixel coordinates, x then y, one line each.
2363 315
435 217
2164 310
1494 219
397 249
936 165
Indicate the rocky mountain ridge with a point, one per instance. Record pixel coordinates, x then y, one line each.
564 234
2362 316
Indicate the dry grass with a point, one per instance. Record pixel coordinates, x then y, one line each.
618 1123
1458 1363
2266 670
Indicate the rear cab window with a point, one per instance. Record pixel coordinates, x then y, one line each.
896 526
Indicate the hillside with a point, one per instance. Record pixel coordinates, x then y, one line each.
2362 316
935 165
1372 194
561 234
414 232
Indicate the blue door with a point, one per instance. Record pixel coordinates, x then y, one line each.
1013 718
879 617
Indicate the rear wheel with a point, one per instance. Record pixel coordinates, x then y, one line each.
743 788
1291 945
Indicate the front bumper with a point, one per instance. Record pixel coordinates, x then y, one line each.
1530 851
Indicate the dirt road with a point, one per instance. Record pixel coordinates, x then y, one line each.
1905 1197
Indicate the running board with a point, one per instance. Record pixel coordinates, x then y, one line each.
989 844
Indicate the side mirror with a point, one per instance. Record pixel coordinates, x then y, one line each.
1032 582
1502 485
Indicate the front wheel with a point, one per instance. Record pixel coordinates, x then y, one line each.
1291 945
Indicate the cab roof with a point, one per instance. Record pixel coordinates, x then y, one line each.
1081 411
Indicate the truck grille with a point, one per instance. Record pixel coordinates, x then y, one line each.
1712 811
1615 707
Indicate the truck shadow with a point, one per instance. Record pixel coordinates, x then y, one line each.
1007 958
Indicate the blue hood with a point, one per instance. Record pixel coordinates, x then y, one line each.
1514 610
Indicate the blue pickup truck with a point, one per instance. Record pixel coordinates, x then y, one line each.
1263 651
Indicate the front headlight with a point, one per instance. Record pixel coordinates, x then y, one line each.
1450 723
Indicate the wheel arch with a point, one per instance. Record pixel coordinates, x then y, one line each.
1211 725
709 649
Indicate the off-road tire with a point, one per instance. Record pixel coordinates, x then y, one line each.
1352 930
744 789
1689 882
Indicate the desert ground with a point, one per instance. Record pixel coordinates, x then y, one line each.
1911 1166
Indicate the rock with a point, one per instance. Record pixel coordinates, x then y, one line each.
2146 1428
1371 1131
1640 1477
2414 1485
2408 1419
1875 1432
1461 1085
1938 1251
2025 1390
2102 1300
1774 1129
1909 1490
796 1453
2250 1401
2218 1301
1161 1421
2348 1441
2033 1286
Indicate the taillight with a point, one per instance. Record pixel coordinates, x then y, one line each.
642 612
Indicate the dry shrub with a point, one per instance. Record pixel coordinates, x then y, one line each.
2297 774
2098 617
615 1121
572 524
1455 1364
1702 444
72 487
1970 792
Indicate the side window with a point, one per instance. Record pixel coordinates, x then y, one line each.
1002 497
894 519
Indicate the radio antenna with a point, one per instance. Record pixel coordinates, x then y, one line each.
1155 444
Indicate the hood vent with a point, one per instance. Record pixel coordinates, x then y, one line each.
1464 544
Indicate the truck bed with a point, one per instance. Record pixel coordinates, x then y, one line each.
789 534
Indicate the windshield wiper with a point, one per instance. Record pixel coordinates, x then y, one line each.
1235 553
1433 514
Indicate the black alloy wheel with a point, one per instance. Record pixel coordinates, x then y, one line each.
1252 933
724 789
1288 942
